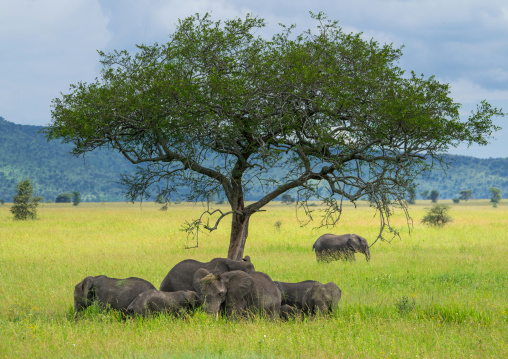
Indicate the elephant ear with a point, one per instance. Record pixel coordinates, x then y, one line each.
355 243
201 278
86 287
335 294
308 300
241 282
84 293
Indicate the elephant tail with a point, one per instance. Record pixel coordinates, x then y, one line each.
314 246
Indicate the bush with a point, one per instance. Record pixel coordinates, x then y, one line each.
456 200
437 216
25 204
64 198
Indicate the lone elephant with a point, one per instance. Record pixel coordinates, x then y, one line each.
155 301
108 292
330 247
181 276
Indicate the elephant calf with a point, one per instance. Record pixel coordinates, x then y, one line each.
308 297
321 298
155 301
108 292
330 247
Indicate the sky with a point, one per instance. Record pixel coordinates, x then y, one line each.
46 45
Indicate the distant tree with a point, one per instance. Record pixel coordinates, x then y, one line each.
64 198
434 195
25 203
411 195
456 200
160 199
2 202
425 194
466 195
437 215
496 196
76 198
217 107
287 198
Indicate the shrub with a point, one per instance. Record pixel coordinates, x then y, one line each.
64 198
437 215
404 305
456 200
25 204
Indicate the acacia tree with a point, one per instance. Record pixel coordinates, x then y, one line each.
466 195
217 108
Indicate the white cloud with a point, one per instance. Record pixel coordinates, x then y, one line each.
467 92
46 45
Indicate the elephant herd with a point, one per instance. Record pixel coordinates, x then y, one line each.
221 286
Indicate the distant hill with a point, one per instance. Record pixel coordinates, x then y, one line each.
25 153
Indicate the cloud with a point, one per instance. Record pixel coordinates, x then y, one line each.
467 92
46 45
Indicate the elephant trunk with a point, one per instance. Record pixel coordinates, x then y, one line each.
367 254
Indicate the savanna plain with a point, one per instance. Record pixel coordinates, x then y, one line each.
434 293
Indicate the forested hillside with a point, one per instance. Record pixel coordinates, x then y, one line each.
25 153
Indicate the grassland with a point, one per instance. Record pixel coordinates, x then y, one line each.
436 293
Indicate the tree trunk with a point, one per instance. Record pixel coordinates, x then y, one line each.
239 233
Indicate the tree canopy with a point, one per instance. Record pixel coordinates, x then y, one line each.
216 108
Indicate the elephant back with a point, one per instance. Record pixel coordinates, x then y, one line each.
292 293
180 277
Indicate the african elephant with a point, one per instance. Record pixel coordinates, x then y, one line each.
108 292
332 247
308 297
292 293
211 290
155 301
267 296
321 298
180 277
238 293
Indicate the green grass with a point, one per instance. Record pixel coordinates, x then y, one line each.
439 292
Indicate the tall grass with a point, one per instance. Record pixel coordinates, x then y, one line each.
438 292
